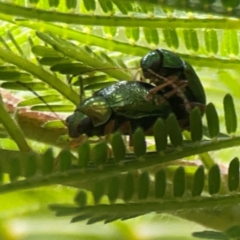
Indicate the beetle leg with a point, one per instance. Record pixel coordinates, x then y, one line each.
175 91
158 88
159 77
177 88
173 81
135 76
108 129
126 128
202 107
167 95
76 142
184 123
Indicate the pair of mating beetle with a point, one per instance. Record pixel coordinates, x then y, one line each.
126 105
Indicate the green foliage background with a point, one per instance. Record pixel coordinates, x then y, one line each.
111 36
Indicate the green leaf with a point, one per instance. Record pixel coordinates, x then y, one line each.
128 187
214 179
31 166
171 38
160 135
37 100
15 169
118 147
47 162
139 143
83 154
143 186
65 160
113 189
230 114
34 86
160 183
71 68
212 120
15 75
233 175
55 108
179 182
196 125
81 198
98 191
43 51
198 182
100 153
54 124
174 131
211 42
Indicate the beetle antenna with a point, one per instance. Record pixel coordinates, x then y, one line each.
81 90
40 97
94 70
179 91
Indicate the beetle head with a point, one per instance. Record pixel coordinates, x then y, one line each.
75 124
153 61
162 62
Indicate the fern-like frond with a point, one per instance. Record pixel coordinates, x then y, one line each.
150 195
121 161
46 43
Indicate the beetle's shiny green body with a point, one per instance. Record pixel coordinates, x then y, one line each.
166 63
126 99
134 101
122 102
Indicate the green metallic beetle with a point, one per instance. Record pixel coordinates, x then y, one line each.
123 102
162 64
